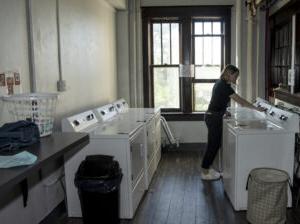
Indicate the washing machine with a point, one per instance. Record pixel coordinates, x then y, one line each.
150 117
263 141
123 140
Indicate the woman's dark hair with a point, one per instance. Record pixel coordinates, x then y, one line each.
229 70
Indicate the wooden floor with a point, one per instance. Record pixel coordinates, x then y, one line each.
178 195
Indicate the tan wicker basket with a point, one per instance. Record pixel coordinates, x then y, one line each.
267 196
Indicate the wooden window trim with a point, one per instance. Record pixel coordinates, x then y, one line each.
184 15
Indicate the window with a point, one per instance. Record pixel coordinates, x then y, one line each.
281 55
173 36
165 51
208 39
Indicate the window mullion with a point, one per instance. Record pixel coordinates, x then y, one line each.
161 45
186 82
170 30
211 54
202 47
211 42
222 46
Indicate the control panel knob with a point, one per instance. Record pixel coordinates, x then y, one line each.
272 113
283 117
90 117
76 123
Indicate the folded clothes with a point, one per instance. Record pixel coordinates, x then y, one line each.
19 159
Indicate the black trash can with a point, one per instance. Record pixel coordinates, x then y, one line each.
98 181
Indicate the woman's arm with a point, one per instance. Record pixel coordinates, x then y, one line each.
243 102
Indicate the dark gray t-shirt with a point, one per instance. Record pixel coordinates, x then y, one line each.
220 96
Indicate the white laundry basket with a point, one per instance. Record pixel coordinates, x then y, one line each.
37 107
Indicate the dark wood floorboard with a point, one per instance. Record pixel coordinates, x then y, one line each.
177 195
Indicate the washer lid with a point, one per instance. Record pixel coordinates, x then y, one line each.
244 113
254 125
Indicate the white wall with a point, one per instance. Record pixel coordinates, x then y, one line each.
88 52
13 44
130 59
123 69
252 67
118 4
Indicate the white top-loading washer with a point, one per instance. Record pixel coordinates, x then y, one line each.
249 144
123 140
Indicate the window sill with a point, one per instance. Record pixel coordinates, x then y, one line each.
180 116
284 95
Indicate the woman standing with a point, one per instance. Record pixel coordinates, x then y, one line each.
221 94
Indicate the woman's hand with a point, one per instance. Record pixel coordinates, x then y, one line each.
227 114
245 103
261 109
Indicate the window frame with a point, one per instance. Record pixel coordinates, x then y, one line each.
185 15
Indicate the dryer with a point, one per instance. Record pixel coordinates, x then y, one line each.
150 117
123 140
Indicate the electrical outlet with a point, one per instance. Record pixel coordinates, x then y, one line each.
61 85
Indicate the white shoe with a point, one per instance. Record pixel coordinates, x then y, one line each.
210 175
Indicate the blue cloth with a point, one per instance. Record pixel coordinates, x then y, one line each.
19 159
